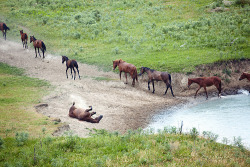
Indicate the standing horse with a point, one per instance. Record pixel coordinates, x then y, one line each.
126 68
154 75
72 64
38 44
4 28
83 115
245 75
24 38
204 82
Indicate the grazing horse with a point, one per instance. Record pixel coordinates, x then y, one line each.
72 64
24 38
38 44
126 68
206 81
245 75
4 28
154 75
83 115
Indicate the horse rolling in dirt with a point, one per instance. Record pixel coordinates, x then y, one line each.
72 64
24 38
38 44
206 82
83 115
126 68
154 75
245 75
4 28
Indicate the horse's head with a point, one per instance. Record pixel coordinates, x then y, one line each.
243 76
64 58
189 82
21 32
142 70
31 39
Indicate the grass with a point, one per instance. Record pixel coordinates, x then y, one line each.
173 36
18 94
135 148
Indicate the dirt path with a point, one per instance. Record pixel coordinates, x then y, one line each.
123 106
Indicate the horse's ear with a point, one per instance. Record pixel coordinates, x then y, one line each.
73 103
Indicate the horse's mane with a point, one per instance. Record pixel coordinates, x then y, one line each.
146 68
66 58
34 38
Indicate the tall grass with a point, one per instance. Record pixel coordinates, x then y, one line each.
172 36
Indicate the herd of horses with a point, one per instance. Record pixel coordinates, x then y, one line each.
127 68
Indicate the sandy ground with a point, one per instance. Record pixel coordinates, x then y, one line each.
123 107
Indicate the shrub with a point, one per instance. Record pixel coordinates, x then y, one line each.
21 138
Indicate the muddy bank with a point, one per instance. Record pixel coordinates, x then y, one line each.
123 106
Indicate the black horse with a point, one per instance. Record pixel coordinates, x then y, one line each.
72 64
154 75
4 28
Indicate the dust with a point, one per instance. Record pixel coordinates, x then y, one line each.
123 107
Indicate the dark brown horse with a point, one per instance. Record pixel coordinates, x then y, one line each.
245 75
24 38
38 44
154 75
72 64
206 82
126 68
83 115
4 28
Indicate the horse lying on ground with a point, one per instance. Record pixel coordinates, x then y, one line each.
83 115
38 44
72 64
24 38
204 82
154 75
126 68
4 28
245 75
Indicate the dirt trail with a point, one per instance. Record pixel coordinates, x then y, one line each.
123 106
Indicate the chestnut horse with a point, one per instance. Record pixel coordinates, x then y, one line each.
126 68
24 38
245 75
83 115
38 44
4 28
206 82
72 64
154 75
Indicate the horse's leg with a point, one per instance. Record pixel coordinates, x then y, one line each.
197 92
153 86
120 75
219 89
167 86
126 77
36 52
171 90
71 73
43 53
74 73
96 120
78 72
148 85
4 34
205 90
67 72
90 108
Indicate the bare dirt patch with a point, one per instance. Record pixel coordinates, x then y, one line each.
123 106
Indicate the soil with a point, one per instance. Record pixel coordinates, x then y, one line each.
123 107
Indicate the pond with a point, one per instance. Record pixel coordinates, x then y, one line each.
227 117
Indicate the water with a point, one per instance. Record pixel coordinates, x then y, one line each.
227 117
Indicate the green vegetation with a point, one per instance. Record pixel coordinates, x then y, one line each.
18 93
135 148
172 35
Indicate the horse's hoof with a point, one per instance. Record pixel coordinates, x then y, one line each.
100 117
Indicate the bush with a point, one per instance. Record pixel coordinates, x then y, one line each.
21 138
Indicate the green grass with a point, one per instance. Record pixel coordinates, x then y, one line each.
18 94
173 36
135 148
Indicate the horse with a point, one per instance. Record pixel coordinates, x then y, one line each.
245 75
24 38
154 75
126 68
72 64
206 82
38 44
4 28
83 115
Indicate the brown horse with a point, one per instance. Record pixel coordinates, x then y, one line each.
206 81
38 44
4 28
245 75
72 64
83 115
126 68
24 38
154 75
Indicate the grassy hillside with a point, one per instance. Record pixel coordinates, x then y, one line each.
173 35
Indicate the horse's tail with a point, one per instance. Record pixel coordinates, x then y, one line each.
75 64
43 46
5 27
169 76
